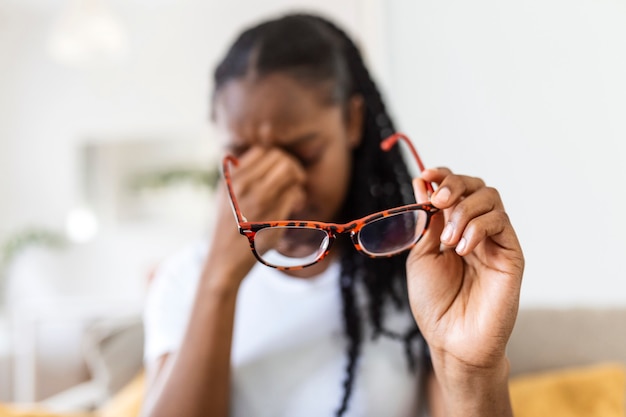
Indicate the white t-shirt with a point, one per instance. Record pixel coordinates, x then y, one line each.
289 349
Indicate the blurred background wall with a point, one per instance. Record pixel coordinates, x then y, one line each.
146 79
89 91
530 96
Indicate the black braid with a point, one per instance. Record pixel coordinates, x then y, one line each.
352 322
313 49
378 125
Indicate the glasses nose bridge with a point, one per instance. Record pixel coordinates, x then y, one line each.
352 229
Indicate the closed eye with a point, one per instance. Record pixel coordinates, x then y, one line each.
309 159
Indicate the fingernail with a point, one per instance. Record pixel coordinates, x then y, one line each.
447 232
442 195
461 246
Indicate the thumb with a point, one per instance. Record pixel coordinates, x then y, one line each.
431 242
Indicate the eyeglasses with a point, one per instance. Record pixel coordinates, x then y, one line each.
297 244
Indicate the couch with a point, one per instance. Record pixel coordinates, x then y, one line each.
564 363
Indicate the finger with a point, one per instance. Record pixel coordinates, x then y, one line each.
260 164
283 177
420 190
253 163
451 187
435 174
263 175
253 158
292 199
480 202
489 225
430 243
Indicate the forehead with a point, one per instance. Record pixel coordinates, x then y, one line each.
276 106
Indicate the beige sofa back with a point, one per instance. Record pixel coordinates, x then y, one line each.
543 339
546 339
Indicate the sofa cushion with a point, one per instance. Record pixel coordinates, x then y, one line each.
114 351
592 391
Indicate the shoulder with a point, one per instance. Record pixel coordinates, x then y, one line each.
188 259
170 297
175 280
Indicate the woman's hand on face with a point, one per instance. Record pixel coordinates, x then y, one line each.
268 185
464 276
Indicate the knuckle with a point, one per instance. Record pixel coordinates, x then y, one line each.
461 212
493 192
455 183
282 167
273 152
453 177
282 175
503 216
290 166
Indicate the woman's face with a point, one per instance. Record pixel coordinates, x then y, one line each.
277 111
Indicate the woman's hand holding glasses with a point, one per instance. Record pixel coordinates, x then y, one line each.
464 282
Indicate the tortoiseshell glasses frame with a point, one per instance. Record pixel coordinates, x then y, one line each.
416 223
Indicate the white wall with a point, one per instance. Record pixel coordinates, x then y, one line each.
531 96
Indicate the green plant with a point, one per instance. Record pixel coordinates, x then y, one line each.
203 178
18 242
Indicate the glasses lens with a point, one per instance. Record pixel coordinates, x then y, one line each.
392 234
290 246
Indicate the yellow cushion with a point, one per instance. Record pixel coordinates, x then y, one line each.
593 391
16 411
127 402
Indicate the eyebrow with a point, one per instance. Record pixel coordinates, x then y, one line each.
300 140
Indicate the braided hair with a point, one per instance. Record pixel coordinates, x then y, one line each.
314 50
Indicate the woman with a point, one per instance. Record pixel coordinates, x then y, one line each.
228 336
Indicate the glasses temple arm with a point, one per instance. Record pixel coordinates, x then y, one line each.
390 142
229 159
